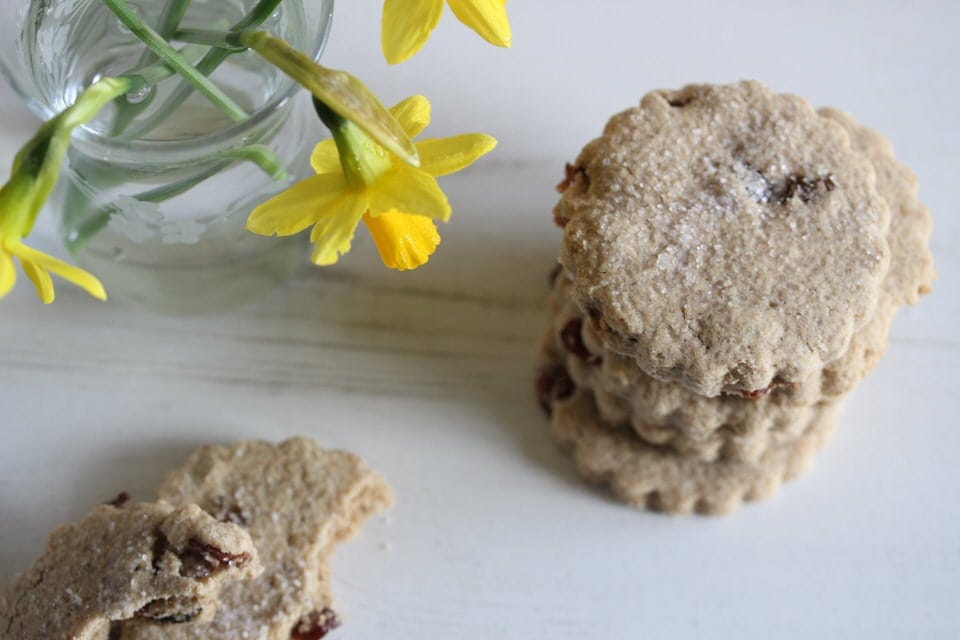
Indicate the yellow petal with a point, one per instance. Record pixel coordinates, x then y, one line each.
440 156
325 158
405 188
333 232
413 114
8 273
406 26
41 280
404 241
487 17
298 207
70 273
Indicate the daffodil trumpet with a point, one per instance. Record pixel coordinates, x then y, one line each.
358 180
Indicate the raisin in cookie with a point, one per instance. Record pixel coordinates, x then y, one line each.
149 562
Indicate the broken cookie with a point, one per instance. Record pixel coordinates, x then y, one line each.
153 562
297 500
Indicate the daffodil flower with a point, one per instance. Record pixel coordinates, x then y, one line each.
407 24
38 266
359 180
34 174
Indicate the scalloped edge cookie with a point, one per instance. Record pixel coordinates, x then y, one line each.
725 237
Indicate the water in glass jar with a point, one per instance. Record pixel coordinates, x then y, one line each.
69 44
157 210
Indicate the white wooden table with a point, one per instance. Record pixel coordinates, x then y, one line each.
428 375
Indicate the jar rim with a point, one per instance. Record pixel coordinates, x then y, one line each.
167 151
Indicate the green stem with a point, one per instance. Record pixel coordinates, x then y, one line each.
151 75
209 37
344 94
169 55
210 63
170 19
263 157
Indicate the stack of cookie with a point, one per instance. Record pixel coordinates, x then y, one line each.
731 263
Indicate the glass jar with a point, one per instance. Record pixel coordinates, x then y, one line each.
156 207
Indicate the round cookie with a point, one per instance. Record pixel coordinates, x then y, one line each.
725 237
649 476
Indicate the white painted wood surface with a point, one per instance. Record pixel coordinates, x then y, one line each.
428 375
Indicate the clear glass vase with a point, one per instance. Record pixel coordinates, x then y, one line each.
156 207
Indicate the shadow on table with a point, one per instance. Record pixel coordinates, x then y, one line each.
464 329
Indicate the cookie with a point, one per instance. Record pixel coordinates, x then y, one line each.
725 237
297 501
648 476
666 413
149 562
737 427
